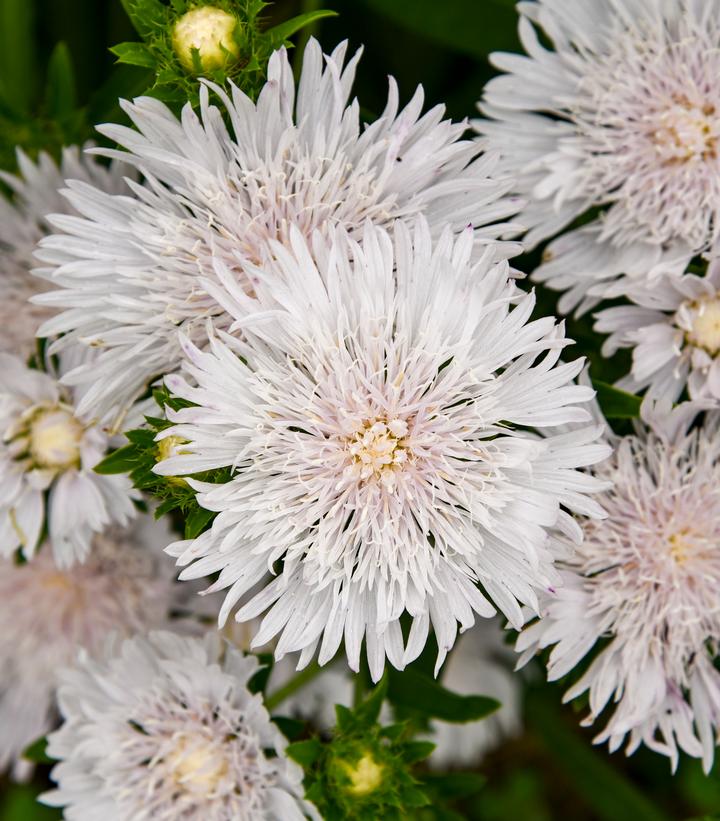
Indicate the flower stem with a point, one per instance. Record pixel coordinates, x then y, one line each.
296 683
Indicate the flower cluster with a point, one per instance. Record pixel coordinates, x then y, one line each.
370 438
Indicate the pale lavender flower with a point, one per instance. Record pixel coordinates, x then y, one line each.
23 222
131 270
165 729
380 446
621 114
47 455
639 598
673 328
48 613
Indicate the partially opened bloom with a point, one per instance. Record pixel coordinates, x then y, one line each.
47 613
378 434
23 222
131 271
47 455
621 115
639 598
166 729
673 328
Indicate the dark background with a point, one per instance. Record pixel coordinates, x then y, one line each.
552 771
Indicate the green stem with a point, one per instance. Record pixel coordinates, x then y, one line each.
296 683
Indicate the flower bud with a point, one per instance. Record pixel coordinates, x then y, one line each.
210 30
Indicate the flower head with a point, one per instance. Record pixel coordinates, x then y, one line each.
166 729
133 271
673 328
640 594
124 587
622 116
380 447
47 455
23 221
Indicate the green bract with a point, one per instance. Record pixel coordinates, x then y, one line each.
365 770
220 41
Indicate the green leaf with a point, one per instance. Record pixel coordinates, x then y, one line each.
18 64
284 31
61 94
291 728
36 752
20 804
616 404
121 460
197 521
134 54
369 710
258 681
472 28
420 692
306 753
414 751
148 16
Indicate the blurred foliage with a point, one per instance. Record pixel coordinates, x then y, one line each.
58 78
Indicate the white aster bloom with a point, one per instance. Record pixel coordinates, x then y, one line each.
673 328
47 613
480 664
47 455
131 270
23 222
623 114
167 730
374 411
640 596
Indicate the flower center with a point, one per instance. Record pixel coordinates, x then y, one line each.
54 435
378 451
198 764
365 777
704 318
687 132
687 545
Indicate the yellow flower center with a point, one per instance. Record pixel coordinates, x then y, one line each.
378 450
54 438
705 330
687 132
198 764
210 31
365 776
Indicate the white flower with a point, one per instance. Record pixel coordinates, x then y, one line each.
47 613
479 665
673 328
167 730
47 455
131 271
640 597
378 438
23 222
623 115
